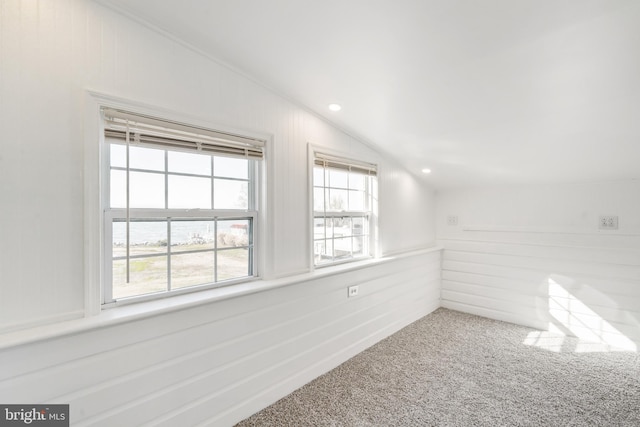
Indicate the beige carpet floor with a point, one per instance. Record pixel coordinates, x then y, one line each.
456 369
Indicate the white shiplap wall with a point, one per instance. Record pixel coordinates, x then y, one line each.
222 360
539 259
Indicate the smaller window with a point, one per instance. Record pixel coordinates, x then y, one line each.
344 204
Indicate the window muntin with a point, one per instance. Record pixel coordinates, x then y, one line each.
191 218
169 253
343 203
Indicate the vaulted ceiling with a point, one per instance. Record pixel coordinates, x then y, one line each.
481 92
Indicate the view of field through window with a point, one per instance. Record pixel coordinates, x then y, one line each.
167 251
177 253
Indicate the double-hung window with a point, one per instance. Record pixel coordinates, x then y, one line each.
345 208
180 207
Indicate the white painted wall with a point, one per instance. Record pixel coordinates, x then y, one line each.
239 353
534 255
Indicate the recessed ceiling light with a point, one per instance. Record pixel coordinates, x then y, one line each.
335 107
425 170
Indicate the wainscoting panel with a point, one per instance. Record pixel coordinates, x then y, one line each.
220 362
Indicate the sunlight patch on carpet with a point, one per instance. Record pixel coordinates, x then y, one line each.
571 316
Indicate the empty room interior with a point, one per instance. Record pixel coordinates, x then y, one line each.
336 212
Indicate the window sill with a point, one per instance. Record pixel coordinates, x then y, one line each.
142 310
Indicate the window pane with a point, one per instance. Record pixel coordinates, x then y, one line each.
118 190
192 269
341 227
338 200
196 164
342 248
189 192
192 235
145 237
356 200
356 181
338 178
359 225
318 199
328 250
319 228
360 246
228 194
374 192
230 167
343 192
118 155
233 233
146 158
233 264
146 190
318 177
320 251
147 275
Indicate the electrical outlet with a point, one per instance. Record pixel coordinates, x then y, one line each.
608 222
352 291
452 220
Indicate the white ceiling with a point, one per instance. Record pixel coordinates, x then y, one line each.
479 91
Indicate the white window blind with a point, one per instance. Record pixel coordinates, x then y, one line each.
140 129
328 161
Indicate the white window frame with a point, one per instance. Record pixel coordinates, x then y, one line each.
111 214
98 245
371 211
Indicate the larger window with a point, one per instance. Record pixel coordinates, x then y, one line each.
180 207
344 205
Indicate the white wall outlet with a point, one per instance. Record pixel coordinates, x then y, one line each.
452 220
352 291
608 222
